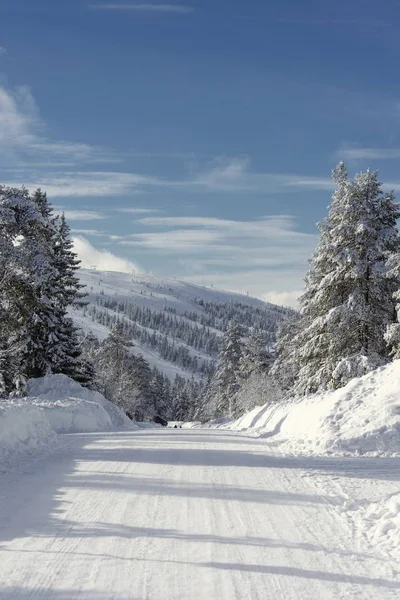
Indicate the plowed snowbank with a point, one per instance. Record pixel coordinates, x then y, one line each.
72 408
361 418
55 404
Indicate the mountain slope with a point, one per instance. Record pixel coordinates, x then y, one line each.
176 326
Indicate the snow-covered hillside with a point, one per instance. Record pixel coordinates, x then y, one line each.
176 326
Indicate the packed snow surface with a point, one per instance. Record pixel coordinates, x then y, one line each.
176 514
361 418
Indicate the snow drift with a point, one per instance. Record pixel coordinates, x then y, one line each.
72 408
361 418
55 404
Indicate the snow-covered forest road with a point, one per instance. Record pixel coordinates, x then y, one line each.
190 514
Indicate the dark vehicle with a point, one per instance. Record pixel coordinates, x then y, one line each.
160 420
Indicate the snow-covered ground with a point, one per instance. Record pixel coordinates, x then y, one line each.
361 418
167 514
296 502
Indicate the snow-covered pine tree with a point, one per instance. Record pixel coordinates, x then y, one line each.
348 300
24 268
53 345
112 365
285 368
44 347
227 374
255 356
68 294
142 390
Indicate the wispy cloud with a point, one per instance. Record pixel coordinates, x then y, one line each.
267 253
3 51
80 215
87 183
223 241
23 136
93 232
137 211
26 150
233 178
364 153
145 7
235 175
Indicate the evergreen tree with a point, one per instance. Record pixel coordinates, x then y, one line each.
347 304
25 266
53 345
227 375
254 357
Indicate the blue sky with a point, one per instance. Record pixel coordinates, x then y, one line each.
196 139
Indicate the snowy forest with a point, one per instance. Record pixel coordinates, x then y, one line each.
233 356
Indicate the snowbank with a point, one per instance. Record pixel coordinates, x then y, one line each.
23 429
361 418
72 408
55 404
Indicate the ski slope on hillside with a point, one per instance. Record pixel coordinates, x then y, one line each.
192 514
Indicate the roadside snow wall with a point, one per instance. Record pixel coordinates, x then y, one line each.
72 408
361 418
55 404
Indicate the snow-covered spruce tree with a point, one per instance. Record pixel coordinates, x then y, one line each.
53 340
24 267
254 356
348 301
112 366
68 294
44 346
226 377
285 368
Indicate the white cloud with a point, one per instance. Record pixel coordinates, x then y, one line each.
235 176
145 7
81 215
87 183
242 236
290 298
228 180
263 256
95 232
137 211
23 139
3 51
25 147
354 153
103 259
173 241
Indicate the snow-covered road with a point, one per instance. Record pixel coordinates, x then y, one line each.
190 514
